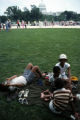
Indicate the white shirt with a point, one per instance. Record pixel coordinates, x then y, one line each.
51 77
64 68
18 80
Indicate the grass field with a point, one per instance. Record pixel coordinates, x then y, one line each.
41 47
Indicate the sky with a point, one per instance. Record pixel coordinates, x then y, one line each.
51 5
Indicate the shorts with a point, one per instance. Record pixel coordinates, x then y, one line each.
29 75
53 109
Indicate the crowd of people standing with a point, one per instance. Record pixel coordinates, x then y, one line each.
5 26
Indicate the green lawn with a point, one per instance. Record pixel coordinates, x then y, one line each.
40 47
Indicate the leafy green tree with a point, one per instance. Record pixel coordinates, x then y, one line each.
3 19
26 14
68 15
13 13
35 13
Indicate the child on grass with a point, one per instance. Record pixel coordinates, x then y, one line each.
56 74
51 77
61 99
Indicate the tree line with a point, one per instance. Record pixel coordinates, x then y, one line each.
14 13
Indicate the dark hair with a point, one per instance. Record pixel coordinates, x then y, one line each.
59 83
56 69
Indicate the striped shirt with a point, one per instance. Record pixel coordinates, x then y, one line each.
62 97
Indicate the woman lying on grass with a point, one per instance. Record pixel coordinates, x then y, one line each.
17 81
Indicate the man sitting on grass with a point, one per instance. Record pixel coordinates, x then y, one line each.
61 98
18 81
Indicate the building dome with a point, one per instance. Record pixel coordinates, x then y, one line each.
42 7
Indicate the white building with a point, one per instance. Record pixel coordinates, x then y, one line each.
58 13
42 7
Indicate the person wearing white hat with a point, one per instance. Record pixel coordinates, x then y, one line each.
62 56
64 67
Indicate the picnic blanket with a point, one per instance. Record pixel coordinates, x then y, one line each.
35 90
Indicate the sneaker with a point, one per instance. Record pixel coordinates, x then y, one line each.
26 92
21 93
20 100
25 101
